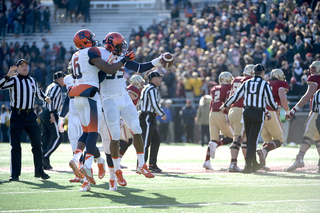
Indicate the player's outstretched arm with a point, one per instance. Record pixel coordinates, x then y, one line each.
105 66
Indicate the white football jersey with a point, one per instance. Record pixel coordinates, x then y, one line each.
114 83
70 82
85 72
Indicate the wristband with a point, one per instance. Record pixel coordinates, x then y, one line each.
124 60
156 61
296 108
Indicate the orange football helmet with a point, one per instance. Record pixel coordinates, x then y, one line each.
84 39
115 43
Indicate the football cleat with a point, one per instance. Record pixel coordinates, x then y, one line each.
297 164
120 179
234 168
145 171
207 165
102 169
262 153
112 185
85 187
212 147
76 180
75 167
88 174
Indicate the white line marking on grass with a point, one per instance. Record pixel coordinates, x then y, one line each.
176 205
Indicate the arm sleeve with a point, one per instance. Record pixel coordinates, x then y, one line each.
154 97
93 52
65 107
139 67
6 83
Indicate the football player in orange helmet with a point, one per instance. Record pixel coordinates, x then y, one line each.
116 101
87 63
311 133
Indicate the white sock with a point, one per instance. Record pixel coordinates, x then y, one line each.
99 160
76 157
111 173
140 159
116 163
88 162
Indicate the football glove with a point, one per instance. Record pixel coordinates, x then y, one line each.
289 115
128 57
60 126
157 61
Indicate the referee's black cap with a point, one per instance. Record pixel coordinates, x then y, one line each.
58 74
20 61
154 74
258 69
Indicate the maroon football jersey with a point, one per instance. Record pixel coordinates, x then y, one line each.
133 89
311 80
275 85
219 95
235 84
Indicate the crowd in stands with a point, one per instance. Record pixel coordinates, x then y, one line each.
218 38
26 17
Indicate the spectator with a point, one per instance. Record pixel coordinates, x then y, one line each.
44 19
3 25
164 124
188 114
72 7
29 21
196 83
298 46
202 118
3 7
62 9
316 45
86 10
189 11
287 72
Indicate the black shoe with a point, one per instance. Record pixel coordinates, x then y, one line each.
247 170
46 164
43 175
155 169
14 178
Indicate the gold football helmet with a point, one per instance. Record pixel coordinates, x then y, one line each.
225 78
315 68
248 70
278 74
137 81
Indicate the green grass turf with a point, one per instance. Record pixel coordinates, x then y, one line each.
184 186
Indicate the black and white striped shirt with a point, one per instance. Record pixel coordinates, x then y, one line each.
55 93
256 92
149 100
23 90
315 107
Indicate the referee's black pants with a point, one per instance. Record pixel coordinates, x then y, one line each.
24 121
150 137
50 137
253 122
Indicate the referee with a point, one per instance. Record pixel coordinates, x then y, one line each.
23 90
149 104
51 137
257 93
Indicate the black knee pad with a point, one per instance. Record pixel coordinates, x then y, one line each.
307 140
235 145
278 143
96 153
227 140
83 137
109 160
244 145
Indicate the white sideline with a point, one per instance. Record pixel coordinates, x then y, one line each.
177 205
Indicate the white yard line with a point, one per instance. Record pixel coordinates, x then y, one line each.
159 206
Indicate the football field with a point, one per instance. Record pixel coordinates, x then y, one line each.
183 186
